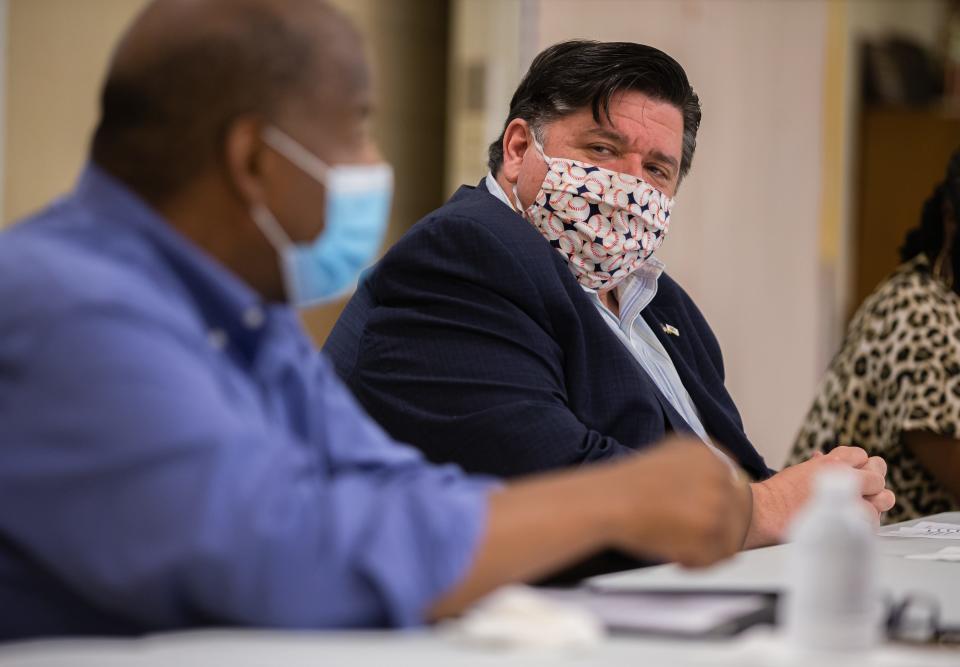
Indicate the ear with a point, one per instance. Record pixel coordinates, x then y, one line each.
516 141
247 159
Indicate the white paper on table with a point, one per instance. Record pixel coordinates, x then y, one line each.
950 554
932 529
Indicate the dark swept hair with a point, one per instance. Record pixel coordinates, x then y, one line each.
576 74
927 238
163 120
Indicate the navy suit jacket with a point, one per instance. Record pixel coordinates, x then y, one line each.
472 340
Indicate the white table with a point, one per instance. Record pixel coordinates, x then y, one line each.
426 649
760 569
765 570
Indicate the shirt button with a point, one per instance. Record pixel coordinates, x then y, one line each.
217 338
253 317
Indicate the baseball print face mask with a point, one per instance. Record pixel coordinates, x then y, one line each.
604 223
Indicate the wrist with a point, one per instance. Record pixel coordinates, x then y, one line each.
766 524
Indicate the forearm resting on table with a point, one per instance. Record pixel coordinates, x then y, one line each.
675 502
535 527
777 500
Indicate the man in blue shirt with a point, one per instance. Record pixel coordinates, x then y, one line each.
174 451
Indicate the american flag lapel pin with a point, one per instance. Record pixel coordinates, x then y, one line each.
670 330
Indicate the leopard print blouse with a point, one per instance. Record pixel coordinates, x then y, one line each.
898 371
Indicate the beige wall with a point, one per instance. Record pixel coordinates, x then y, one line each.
4 57
491 46
56 55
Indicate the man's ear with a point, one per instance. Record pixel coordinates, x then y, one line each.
247 160
516 141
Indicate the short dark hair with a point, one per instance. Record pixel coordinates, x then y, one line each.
163 121
578 73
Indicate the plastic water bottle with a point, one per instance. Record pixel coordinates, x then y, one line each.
833 601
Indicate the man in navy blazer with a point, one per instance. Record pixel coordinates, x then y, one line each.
527 324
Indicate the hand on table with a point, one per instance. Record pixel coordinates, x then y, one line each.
776 500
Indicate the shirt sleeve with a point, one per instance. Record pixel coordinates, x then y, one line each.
458 357
131 477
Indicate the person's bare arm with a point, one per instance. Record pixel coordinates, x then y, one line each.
777 500
940 455
677 502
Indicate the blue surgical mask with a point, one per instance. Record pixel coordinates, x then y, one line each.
357 211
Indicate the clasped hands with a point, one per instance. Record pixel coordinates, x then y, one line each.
777 499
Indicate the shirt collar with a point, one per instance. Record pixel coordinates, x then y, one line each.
636 291
227 303
639 288
493 187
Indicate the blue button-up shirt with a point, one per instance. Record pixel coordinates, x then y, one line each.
176 453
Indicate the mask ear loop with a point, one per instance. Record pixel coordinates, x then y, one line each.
270 227
539 148
301 158
518 207
294 151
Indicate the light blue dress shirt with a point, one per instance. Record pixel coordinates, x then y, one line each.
634 294
175 452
